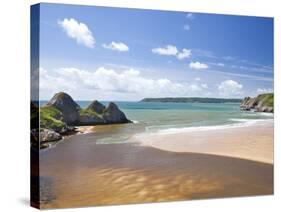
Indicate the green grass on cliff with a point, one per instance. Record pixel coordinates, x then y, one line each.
87 112
266 99
51 118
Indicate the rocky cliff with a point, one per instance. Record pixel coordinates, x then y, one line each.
261 103
61 113
67 106
97 114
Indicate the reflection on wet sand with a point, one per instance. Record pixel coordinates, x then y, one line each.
84 173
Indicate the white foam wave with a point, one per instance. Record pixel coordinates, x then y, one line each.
242 123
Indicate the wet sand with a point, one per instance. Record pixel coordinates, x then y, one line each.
78 172
85 129
250 142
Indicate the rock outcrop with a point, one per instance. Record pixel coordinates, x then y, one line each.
59 116
68 107
261 103
47 135
97 114
113 115
96 106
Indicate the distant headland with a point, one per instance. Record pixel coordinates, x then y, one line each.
191 100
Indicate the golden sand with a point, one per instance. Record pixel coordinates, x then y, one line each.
80 172
251 142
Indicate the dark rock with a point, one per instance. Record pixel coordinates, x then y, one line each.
96 106
91 120
47 135
69 108
112 115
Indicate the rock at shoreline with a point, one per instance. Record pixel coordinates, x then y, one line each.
68 107
112 114
261 103
96 106
90 119
47 135
61 113
97 114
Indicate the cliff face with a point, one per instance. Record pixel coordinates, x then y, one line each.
97 114
261 103
112 114
67 106
62 112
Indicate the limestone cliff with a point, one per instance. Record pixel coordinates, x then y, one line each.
261 103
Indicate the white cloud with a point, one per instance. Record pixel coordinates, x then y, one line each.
167 50
264 90
186 27
198 65
230 88
190 16
111 84
204 85
78 31
117 46
197 79
186 53
171 50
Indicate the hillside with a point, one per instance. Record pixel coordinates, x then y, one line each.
261 103
191 100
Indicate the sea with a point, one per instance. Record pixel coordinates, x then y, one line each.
169 118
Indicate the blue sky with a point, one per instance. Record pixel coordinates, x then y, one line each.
128 54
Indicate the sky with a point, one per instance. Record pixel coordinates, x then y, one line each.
128 54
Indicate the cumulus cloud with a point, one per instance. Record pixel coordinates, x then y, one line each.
230 88
117 46
204 85
77 31
264 90
171 50
186 53
105 81
198 65
167 50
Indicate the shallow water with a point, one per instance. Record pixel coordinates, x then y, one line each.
79 172
151 117
107 166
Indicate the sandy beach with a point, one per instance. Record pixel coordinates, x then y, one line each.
80 172
251 142
85 129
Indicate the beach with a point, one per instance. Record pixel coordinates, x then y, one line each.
254 142
168 167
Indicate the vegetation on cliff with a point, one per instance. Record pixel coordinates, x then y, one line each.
62 113
51 118
261 103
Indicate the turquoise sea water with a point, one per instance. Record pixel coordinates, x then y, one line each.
151 117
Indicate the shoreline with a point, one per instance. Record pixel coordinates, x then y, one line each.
84 129
128 173
253 142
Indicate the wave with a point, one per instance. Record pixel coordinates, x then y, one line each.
258 114
241 123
